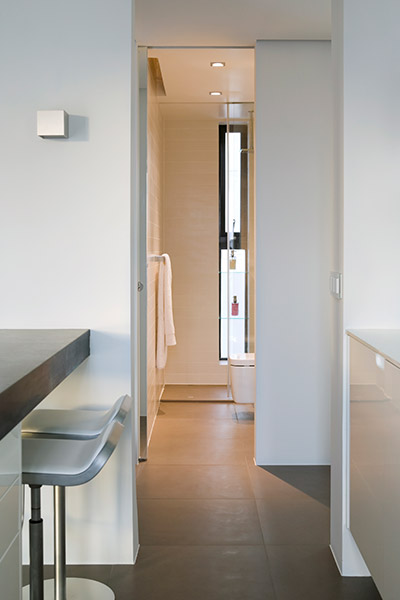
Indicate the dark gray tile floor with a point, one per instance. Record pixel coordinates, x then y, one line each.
213 526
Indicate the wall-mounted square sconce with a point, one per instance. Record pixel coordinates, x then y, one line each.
52 123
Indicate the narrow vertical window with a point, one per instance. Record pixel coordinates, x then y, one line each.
233 218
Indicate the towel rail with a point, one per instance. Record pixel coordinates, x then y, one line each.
155 257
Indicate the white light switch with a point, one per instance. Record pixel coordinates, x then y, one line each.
52 123
335 285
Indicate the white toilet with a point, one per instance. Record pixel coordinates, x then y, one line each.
243 377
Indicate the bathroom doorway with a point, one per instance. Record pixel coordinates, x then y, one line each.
197 206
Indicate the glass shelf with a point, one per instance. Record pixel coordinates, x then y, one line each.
232 318
233 271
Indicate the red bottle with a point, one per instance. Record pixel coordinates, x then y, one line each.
235 307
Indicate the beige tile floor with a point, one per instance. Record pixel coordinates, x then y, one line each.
195 393
213 526
231 530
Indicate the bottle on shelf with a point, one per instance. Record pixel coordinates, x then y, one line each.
235 307
232 261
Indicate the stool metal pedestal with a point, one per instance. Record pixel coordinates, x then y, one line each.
36 544
61 587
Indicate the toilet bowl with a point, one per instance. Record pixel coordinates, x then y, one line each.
243 377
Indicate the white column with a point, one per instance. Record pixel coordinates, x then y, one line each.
293 246
65 227
367 187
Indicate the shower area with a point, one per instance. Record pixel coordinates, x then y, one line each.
196 185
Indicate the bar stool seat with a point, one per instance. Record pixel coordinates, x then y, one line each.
67 462
62 462
73 424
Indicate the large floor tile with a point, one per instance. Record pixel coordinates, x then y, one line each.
194 481
198 522
314 481
294 482
202 428
288 521
189 451
195 393
195 573
196 410
310 573
357 588
248 448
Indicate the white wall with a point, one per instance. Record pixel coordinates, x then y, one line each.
65 223
293 247
337 438
367 55
230 23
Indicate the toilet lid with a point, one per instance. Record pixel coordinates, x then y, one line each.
243 360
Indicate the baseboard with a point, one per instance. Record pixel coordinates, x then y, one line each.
162 391
336 561
136 555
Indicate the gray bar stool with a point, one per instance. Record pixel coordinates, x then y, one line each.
73 459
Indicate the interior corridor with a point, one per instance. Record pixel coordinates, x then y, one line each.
213 526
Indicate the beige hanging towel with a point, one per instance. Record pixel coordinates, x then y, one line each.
165 317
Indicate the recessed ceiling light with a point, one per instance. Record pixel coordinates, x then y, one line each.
217 64
215 93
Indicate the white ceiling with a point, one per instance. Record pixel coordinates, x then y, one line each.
188 76
229 22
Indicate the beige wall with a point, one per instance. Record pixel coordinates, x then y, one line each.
155 377
191 240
